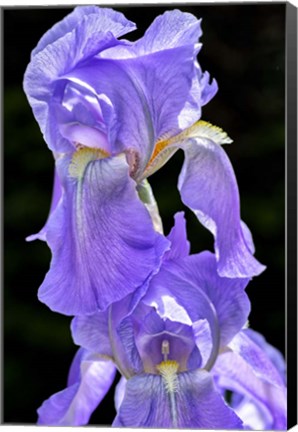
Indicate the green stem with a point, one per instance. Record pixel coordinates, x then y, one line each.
147 197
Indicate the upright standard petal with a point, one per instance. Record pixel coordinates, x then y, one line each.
227 295
108 21
148 93
170 30
89 381
76 39
191 402
180 246
247 370
96 234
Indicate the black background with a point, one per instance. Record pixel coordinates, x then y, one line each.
244 49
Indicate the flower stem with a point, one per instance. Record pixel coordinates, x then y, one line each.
147 197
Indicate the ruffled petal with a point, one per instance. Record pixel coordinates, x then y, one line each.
180 246
74 405
93 249
208 186
226 294
110 21
246 369
208 89
56 196
170 30
83 34
193 404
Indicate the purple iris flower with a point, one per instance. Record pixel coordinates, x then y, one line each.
170 345
113 112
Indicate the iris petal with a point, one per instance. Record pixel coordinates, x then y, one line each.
170 30
180 246
111 334
208 186
226 294
82 34
208 90
95 234
109 21
92 333
122 333
247 369
195 404
88 384
274 355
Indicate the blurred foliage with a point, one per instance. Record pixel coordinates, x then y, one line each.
244 48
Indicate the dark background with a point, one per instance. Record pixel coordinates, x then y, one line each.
244 49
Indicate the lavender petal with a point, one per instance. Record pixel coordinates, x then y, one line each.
87 387
247 370
226 294
194 404
180 246
93 249
208 186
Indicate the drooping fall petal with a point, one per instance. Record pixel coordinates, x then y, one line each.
97 233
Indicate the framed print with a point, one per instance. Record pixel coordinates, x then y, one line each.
150 211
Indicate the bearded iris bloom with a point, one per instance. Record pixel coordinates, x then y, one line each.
113 112
178 347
